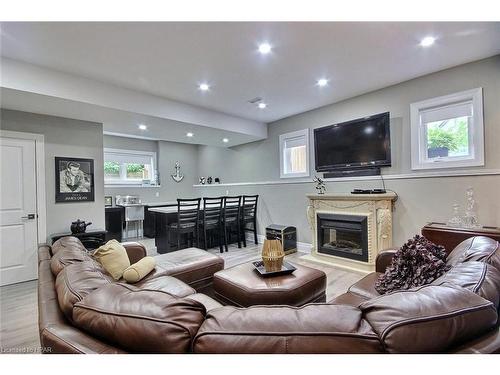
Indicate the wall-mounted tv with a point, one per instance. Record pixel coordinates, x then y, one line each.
357 144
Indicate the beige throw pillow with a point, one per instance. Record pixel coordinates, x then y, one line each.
137 271
113 257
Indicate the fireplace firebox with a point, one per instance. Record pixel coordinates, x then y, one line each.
343 236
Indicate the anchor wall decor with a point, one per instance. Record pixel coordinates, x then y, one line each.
177 177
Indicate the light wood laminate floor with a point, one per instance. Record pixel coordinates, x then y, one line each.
19 310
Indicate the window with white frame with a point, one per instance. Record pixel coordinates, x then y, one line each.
294 154
127 167
447 132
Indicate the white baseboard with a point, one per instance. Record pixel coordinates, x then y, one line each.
302 247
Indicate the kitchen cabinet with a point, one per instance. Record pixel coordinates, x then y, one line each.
114 218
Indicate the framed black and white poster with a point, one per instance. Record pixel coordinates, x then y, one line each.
74 180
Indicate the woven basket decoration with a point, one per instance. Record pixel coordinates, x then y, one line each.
272 255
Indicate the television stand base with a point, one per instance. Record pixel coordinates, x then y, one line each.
353 173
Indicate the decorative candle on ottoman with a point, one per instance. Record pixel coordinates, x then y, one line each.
272 255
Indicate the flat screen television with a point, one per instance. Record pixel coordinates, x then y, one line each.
358 144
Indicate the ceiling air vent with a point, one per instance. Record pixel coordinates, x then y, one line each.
255 100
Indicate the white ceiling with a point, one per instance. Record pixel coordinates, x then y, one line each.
30 88
123 123
169 59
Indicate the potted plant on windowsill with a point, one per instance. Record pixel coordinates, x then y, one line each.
440 143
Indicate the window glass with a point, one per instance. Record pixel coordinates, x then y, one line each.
129 167
111 169
295 159
448 131
294 154
448 138
135 171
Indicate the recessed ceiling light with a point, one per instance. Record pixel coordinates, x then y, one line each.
322 82
265 48
204 86
189 134
225 140
142 127
262 105
427 41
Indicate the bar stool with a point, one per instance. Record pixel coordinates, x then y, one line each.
212 219
231 218
188 218
249 216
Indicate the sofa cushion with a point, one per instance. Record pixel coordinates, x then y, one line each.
436 318
314 328
479 248
76 281
195 267
139 320
166 284
350 299
65 243
135 251
66 251
113 257
366 286
478 277
137 271
209 303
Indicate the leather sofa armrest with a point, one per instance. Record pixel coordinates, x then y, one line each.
384 259
135 251
313 328
485 344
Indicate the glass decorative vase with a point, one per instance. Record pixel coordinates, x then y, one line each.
470 219
456 219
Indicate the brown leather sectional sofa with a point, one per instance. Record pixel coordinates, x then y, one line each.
82 310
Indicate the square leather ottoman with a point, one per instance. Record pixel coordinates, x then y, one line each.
243 286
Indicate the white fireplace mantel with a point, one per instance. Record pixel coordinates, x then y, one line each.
378 210
352 197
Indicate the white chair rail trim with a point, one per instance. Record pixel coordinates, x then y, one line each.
407 176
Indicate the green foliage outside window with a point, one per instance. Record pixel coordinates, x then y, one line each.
441 138
452 134
135 170
111 168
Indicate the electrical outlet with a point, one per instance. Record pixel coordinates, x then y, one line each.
227 192
157 194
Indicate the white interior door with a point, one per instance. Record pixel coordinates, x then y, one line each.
18 214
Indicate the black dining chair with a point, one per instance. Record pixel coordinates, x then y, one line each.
249 216
188 219
212 220
231 219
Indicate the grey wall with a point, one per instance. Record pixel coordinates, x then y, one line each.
167 153
64 137
123 143
421 199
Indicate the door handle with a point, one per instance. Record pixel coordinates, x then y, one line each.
29 217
